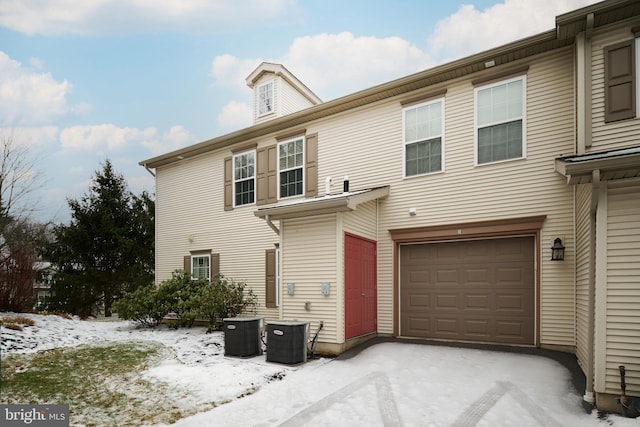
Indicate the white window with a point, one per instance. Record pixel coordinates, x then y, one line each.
423 138
265 98
291 168
500 121
244 178
201 266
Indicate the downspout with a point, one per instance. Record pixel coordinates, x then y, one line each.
271 224
584 142
149 170
595 190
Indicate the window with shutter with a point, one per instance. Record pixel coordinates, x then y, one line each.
202 264
619 81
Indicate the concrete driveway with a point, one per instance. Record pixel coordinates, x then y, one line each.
413 383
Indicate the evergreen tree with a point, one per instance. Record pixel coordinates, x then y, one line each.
106 250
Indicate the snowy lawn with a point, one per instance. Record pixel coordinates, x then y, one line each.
392 384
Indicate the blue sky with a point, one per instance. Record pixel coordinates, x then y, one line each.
127 80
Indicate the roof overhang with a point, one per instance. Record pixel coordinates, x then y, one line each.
330 203
616 164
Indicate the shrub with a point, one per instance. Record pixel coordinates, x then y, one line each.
142 306
224 298
189 299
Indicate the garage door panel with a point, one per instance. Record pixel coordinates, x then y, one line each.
487 293
477 302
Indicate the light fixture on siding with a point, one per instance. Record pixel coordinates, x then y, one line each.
557 250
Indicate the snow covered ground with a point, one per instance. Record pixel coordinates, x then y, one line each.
390 384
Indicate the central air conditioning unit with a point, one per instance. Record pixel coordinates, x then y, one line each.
242 336
287 342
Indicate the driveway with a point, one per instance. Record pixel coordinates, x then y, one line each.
406 383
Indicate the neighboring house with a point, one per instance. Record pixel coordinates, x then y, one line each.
42 284
460 180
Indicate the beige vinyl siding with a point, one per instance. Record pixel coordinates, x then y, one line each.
620 134
309 258
190 216
290 99
623 288
583 243
363 221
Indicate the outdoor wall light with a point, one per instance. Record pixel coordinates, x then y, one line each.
557 250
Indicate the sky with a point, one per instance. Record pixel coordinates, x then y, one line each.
126 80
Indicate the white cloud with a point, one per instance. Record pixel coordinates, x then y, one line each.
108 138
32 136
229 70
235 115
117 16
470 30
332 65
100 137
32 97
176 138
327 61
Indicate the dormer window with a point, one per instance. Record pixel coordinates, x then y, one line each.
265 98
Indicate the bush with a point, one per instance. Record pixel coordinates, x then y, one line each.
188 299
180 296
223 298
142 306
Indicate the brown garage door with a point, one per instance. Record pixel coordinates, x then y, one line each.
477 290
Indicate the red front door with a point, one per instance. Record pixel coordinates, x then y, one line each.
360 286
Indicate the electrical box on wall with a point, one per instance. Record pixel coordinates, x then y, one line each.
325 288
291 288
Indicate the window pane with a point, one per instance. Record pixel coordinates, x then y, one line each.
423 157
291 183
423 122
500 142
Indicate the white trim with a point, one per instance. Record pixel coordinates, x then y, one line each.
303 166
442 137
233 178
477 89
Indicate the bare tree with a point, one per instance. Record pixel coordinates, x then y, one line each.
19 236
19 180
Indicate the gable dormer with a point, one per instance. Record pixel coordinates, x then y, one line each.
277 92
